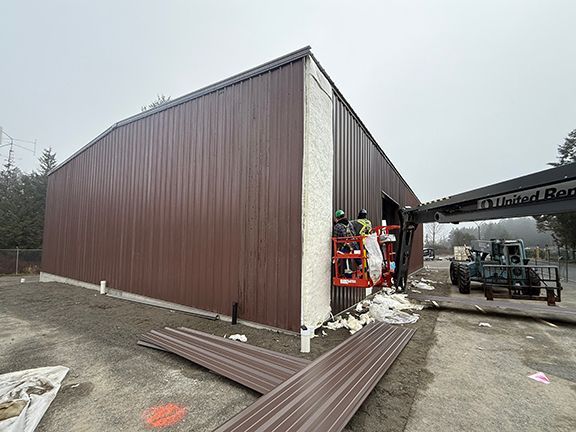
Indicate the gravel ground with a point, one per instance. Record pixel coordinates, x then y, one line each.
452 376
112 381
480 374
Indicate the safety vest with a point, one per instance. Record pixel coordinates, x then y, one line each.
366 226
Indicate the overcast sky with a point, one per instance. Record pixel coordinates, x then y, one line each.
459 94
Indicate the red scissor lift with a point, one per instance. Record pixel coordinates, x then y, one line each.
359 276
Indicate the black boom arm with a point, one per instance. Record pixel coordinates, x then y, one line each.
546 192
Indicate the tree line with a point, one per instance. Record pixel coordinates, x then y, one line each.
22 202
518 228
23 197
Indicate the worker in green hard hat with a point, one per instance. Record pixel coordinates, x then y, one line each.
342 227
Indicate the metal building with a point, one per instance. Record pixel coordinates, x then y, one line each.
225 195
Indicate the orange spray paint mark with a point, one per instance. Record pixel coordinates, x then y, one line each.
163 416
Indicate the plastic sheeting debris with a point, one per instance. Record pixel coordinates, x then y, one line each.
484 324
396 302
390 316
428 281
387 238
374 257
385 307
238 337
540 377
389 309
335 325
422 285
26 395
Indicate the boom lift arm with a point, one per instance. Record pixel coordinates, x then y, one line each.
546 192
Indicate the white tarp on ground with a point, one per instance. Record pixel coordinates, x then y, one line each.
26 395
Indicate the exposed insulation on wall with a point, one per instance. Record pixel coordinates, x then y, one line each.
317 181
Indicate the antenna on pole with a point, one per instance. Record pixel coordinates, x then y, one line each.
10 159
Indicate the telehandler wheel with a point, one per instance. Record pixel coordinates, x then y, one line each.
454 273
463 279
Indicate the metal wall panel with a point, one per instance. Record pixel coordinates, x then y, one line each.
198 204
361 173
325 395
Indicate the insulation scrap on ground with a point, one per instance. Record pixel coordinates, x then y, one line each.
422 285
387 307
238 337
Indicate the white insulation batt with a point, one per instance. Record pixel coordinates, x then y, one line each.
317 179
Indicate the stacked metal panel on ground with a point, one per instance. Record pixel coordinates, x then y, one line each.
324 396
299 395
257 368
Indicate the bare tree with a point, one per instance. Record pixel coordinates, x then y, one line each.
160 100
434 232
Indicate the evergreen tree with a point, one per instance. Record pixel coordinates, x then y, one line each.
22 201
47 161
10 193
563 226
566 151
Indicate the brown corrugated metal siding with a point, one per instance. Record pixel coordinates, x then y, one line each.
361 174
324 395
198 204
257 368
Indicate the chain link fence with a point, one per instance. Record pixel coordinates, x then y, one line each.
20 261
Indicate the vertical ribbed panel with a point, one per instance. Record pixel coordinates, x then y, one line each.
199 204
361 174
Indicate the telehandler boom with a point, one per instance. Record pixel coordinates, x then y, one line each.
547 192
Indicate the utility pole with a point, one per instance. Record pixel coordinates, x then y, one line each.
10 159
478 226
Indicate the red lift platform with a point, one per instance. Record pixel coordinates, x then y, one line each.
355 259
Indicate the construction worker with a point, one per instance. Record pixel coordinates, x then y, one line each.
343 228
362 225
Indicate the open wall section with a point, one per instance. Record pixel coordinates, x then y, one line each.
364 178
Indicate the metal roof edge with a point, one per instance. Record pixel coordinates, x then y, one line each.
242 76
234 79
361 123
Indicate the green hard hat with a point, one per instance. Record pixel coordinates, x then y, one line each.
339 213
